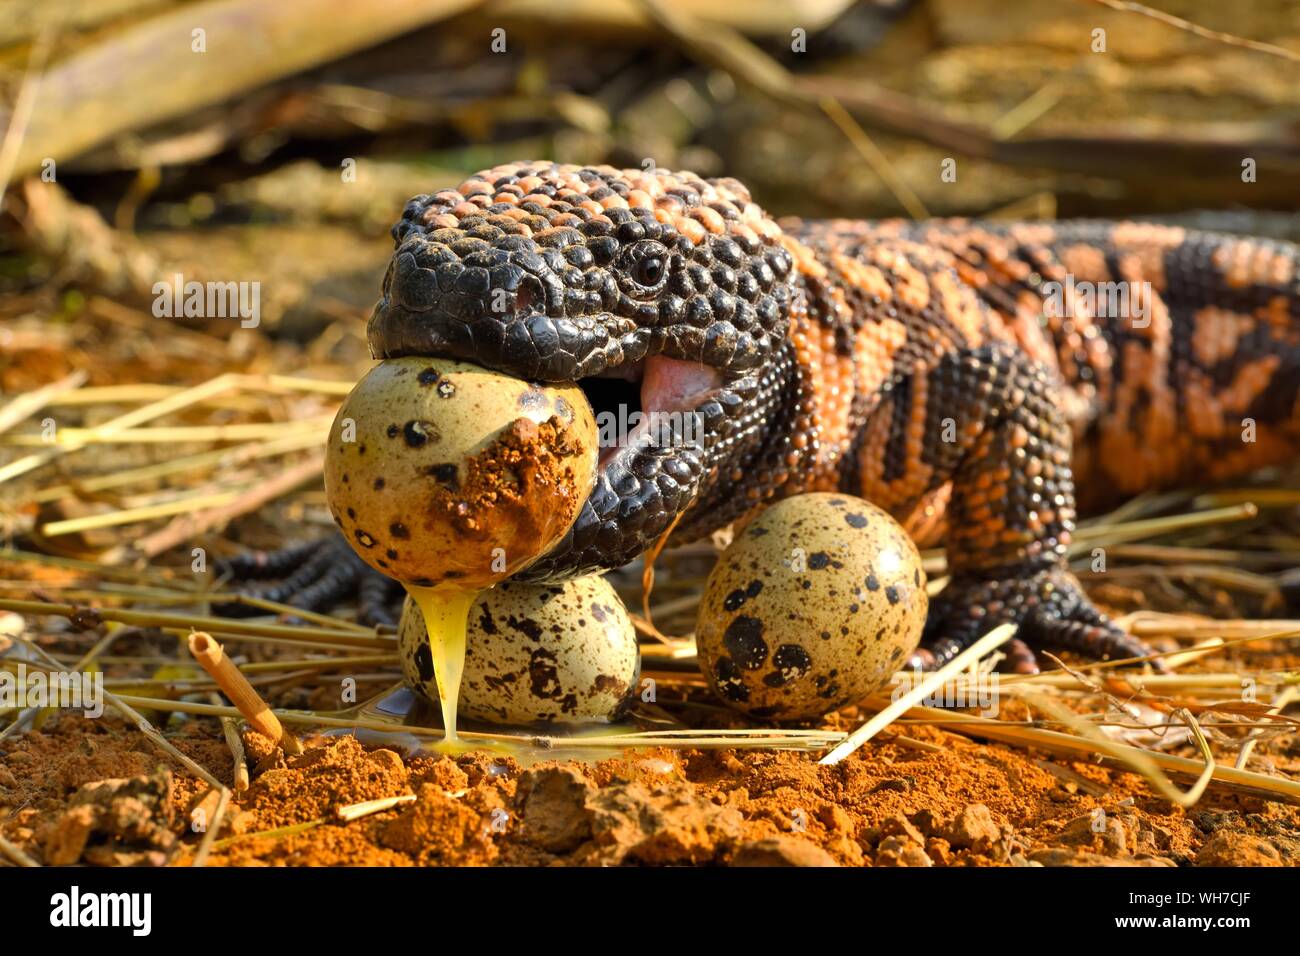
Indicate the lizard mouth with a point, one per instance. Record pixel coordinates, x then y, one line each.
660 420
657 400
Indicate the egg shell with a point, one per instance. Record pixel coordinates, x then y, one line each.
439 471
535 653
814 605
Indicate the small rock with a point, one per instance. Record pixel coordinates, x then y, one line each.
731 764
782 851
939 850
835 818
240 821
973 828
1229 848
11 626
845 848
65 844
670 824
553 805
257 746
388 759
656 765
436 828
1105 835
1287 845
900 851
898 825
929 822
130 816
107 856
1152 837
443 773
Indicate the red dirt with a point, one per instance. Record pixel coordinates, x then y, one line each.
966 804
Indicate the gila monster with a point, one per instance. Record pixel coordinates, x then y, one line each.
952 372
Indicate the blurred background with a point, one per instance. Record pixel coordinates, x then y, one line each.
279 140
274 143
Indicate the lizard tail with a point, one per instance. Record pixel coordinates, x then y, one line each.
1200 372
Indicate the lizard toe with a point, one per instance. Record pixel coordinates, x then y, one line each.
1049 608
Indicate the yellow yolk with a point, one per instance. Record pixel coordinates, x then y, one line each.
446 615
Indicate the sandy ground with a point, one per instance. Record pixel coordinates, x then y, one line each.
97 792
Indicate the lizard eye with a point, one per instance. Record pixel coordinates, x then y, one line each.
647 264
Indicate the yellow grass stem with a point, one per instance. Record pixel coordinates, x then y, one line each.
985 645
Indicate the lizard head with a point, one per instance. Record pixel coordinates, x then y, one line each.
663 295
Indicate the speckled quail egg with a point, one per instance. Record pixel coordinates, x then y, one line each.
814 605
563 653
441 472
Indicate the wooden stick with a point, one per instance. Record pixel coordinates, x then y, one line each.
875 157
986 644
238 455
149 72
148 392
16 854
96 649
162 576
230 730
1139 760
1280 703
1108 533
240 692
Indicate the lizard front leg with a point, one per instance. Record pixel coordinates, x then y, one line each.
314 576
986 420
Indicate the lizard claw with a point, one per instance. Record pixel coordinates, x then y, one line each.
315 576
1049 607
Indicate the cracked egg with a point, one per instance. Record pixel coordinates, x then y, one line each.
444 473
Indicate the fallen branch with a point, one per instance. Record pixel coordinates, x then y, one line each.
152 72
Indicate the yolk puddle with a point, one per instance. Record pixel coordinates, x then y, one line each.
446 618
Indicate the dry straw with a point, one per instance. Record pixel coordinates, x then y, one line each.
931 682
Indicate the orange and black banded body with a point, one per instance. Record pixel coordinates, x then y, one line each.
975 380
978 380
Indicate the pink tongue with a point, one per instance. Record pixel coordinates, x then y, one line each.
673 385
